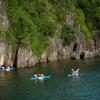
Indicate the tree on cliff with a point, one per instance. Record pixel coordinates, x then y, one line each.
23 33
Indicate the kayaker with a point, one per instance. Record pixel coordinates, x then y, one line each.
76 71
41 75
3 67
8 67
35 75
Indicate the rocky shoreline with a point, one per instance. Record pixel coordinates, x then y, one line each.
26 57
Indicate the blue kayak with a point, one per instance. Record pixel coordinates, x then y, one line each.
7 69
71 75
40 78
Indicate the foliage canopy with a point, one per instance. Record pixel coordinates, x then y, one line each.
33 21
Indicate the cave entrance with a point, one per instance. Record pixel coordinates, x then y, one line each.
82 55
73 58
75 47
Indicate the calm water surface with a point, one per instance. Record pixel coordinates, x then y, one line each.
16 85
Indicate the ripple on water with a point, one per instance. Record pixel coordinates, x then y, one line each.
17 86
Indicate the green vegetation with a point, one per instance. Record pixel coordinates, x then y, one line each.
24 31
80 19
67 35
2 35
91 10
33 21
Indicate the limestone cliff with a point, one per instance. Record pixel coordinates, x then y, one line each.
78 49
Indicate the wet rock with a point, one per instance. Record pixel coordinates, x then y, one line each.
26 58
89 54
43 58
5 54
52 55
75 55
2 53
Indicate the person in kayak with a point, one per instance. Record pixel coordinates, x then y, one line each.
75 71
35 75
8 67
3 67
41 75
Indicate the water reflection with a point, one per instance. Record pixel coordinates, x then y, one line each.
39 81
17 85
76 78
2 75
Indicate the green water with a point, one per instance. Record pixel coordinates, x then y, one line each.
16 85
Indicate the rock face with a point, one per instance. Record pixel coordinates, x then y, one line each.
2 53
70 19
64 54
56 46
5 54
43 58
26 58
4 23
89 54
52 56
5 50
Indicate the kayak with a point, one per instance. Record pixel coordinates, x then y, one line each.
40 78
7 69
71 75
